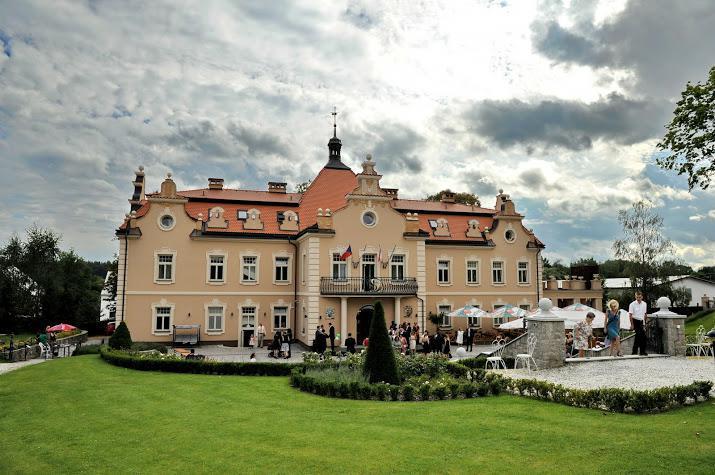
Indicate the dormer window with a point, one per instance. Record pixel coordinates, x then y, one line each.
433 223
280 216
242 214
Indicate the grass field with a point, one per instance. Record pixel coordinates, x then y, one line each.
82 415
707 321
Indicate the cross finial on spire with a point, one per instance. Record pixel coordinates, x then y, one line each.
335 124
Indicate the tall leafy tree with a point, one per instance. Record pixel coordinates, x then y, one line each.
644 245
690 136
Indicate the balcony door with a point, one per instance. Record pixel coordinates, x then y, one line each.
368 271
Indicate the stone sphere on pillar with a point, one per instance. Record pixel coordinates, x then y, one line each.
663 303
545 304
461 352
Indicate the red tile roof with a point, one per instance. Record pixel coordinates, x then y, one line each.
269 216
241 195
438 207
457 226
328 190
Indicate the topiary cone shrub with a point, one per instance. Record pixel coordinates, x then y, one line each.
121 339
380 364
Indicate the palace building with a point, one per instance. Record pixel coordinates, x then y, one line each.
224 260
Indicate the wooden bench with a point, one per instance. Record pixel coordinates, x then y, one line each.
183 352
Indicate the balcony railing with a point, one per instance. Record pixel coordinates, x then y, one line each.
365 286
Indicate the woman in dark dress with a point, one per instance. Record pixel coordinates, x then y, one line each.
447 349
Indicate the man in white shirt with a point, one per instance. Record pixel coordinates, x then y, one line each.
637 312
261 335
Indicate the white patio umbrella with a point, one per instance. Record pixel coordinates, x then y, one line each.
572 318
468 311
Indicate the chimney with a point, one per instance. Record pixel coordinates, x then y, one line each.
215 183
138 195
447 197
412 223
276 187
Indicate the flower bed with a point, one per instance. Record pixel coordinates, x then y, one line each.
613 399
422 378
175 364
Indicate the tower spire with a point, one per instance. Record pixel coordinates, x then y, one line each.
334 145
335 123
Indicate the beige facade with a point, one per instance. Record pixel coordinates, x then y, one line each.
229 260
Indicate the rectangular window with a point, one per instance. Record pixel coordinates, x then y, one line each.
249 271
498 272
162 319
523 272
280 318
215 322
472 272
444 310
526 307
500 319
397 267
248 317
242 214
166 264
216 264
443 272
340 268
302 268
475 322
281 269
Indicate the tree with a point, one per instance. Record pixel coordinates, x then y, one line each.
556 269
643 245
675 267
706 272
613 268
584 261
121 339
380 364
301 187
690 136
464 198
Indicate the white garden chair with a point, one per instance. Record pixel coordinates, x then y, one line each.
698 347
527 359
495 361
45 351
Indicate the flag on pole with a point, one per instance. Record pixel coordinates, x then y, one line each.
348 252
379 255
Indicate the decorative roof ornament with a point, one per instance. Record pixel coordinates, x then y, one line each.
334 146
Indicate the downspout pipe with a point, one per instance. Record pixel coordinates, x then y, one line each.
295 288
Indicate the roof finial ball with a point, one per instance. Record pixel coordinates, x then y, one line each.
501 191
168 175
141 168
368 157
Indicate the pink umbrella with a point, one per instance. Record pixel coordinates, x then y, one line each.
62 327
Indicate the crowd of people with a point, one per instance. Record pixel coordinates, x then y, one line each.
409 339
583 339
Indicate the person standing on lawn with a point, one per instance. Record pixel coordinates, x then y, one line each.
331 335
637 312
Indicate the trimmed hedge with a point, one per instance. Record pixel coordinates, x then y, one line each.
612 399
479 362
87 350
173 365
493 384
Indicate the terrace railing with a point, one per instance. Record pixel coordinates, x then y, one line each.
368 286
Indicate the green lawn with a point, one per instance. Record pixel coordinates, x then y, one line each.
707 321
82 415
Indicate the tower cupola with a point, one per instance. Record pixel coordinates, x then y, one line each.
334 146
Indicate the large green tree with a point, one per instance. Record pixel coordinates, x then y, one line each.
464 198
690 136
644 245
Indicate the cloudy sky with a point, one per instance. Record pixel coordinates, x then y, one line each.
559 103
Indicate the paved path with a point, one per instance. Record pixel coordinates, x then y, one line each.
641 373
7 367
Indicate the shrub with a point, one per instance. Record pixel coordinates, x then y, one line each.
87 350
408 392
121 339
380 364
425 392
146 346
174 364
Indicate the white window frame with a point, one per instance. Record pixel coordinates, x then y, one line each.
528 273
207 311
447 320
478 280
339 263
274 314
474 322
448 260
288 273
256 265
242 314
164 252
162 304
401 264
503 272
209 255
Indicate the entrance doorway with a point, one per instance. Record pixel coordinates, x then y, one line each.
364 319
368 271
246 337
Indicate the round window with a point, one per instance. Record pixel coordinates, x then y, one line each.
510 235
369 219
166 222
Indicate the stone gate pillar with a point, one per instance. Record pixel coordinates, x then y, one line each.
672 327
550 339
